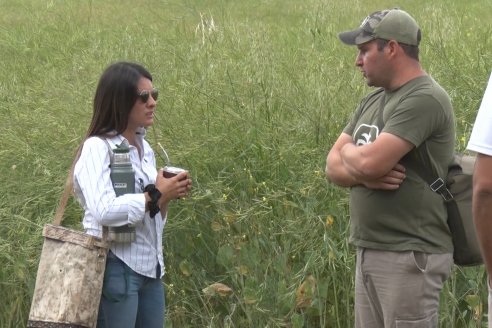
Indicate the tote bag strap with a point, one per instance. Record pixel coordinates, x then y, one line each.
66 192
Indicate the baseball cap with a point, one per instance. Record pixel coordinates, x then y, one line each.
389 24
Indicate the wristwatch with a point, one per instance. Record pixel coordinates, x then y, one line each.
154 195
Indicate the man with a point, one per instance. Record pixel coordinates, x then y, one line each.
481 142
398 224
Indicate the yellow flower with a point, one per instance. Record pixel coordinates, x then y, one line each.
329 220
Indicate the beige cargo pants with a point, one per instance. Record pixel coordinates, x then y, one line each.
399 289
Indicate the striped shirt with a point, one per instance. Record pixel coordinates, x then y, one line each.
94 190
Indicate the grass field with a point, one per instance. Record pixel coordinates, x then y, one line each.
253 94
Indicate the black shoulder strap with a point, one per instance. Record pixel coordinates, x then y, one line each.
438 184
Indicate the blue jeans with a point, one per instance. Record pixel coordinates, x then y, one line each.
130 300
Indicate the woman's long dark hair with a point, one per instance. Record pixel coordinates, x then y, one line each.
116 94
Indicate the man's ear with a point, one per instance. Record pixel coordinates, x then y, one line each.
392 47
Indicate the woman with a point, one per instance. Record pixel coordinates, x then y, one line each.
124 106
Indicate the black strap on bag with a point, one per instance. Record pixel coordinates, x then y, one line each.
456 191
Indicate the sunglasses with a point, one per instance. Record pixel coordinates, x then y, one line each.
144 95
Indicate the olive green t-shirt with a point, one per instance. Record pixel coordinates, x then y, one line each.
412 217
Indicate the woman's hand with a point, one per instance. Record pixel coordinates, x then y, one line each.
172 188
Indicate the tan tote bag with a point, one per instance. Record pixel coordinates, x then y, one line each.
70 275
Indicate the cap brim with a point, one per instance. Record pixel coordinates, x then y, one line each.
355 37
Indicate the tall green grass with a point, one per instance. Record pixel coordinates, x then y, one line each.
254 93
